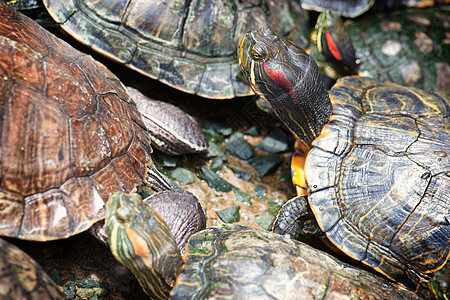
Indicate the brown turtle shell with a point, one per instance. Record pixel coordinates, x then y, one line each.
70 135
22 277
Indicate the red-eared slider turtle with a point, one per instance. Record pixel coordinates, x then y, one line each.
22 277
410 47
377 177
71 135
189 45
232 262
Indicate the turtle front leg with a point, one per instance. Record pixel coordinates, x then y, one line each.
295 219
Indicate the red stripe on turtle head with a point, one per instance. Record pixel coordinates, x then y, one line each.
334 49
293 43
280 78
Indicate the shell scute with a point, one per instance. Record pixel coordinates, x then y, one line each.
62 126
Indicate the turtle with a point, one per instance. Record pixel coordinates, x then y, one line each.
24 4
71 135
188 45
409 47
22 277
230 261
377 174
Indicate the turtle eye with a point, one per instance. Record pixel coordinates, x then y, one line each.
258 52
255 55
123 215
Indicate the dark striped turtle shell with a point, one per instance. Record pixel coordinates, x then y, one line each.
379 178
189 45
71 136
354 8
347 8
238 262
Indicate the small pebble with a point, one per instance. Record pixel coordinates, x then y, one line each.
229 215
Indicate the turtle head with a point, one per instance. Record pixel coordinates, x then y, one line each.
141 241
288 79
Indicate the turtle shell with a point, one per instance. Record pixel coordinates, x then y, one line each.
24 4
70 135
238 262
22 277
409 47
396 4
347 8
379 179
189 45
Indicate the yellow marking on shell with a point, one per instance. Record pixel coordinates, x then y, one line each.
43 219
368 97
339 246
347 237
378 268
421 98
360 225
411 230
158 32
301 191
444 263
385 274
410 233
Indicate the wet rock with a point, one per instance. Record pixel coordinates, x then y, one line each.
229 215
238 147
